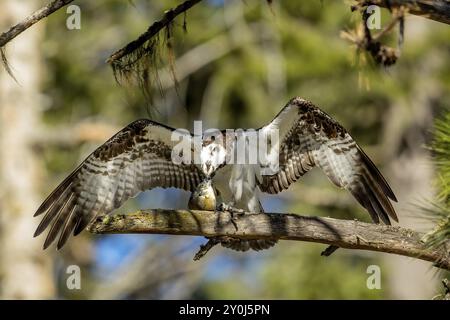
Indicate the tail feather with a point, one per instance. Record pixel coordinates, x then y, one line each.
375 204
357 192
245 245
382 199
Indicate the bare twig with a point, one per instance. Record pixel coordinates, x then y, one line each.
204 248
153 30
341 233
43 12
364 40
6 64
329 251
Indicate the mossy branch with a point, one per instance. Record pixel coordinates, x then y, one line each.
349 234
152 31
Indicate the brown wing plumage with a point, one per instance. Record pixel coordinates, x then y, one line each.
310 137
137 158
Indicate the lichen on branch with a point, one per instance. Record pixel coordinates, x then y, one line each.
138 61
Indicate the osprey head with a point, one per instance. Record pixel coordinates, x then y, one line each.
212 156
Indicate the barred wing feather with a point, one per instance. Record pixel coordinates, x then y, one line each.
137 158
309 137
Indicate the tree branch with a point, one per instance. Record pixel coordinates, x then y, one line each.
43 12
154 29
350 234
438 10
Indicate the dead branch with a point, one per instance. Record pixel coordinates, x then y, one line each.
349 234
36 16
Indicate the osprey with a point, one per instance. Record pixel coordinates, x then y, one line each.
139 157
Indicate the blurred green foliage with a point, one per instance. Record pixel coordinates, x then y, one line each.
441 149
297 271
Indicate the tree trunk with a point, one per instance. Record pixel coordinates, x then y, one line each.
25 271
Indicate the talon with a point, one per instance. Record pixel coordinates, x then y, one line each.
233 212
224 207
229 208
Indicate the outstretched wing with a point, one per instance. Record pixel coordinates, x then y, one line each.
309 137
135 159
